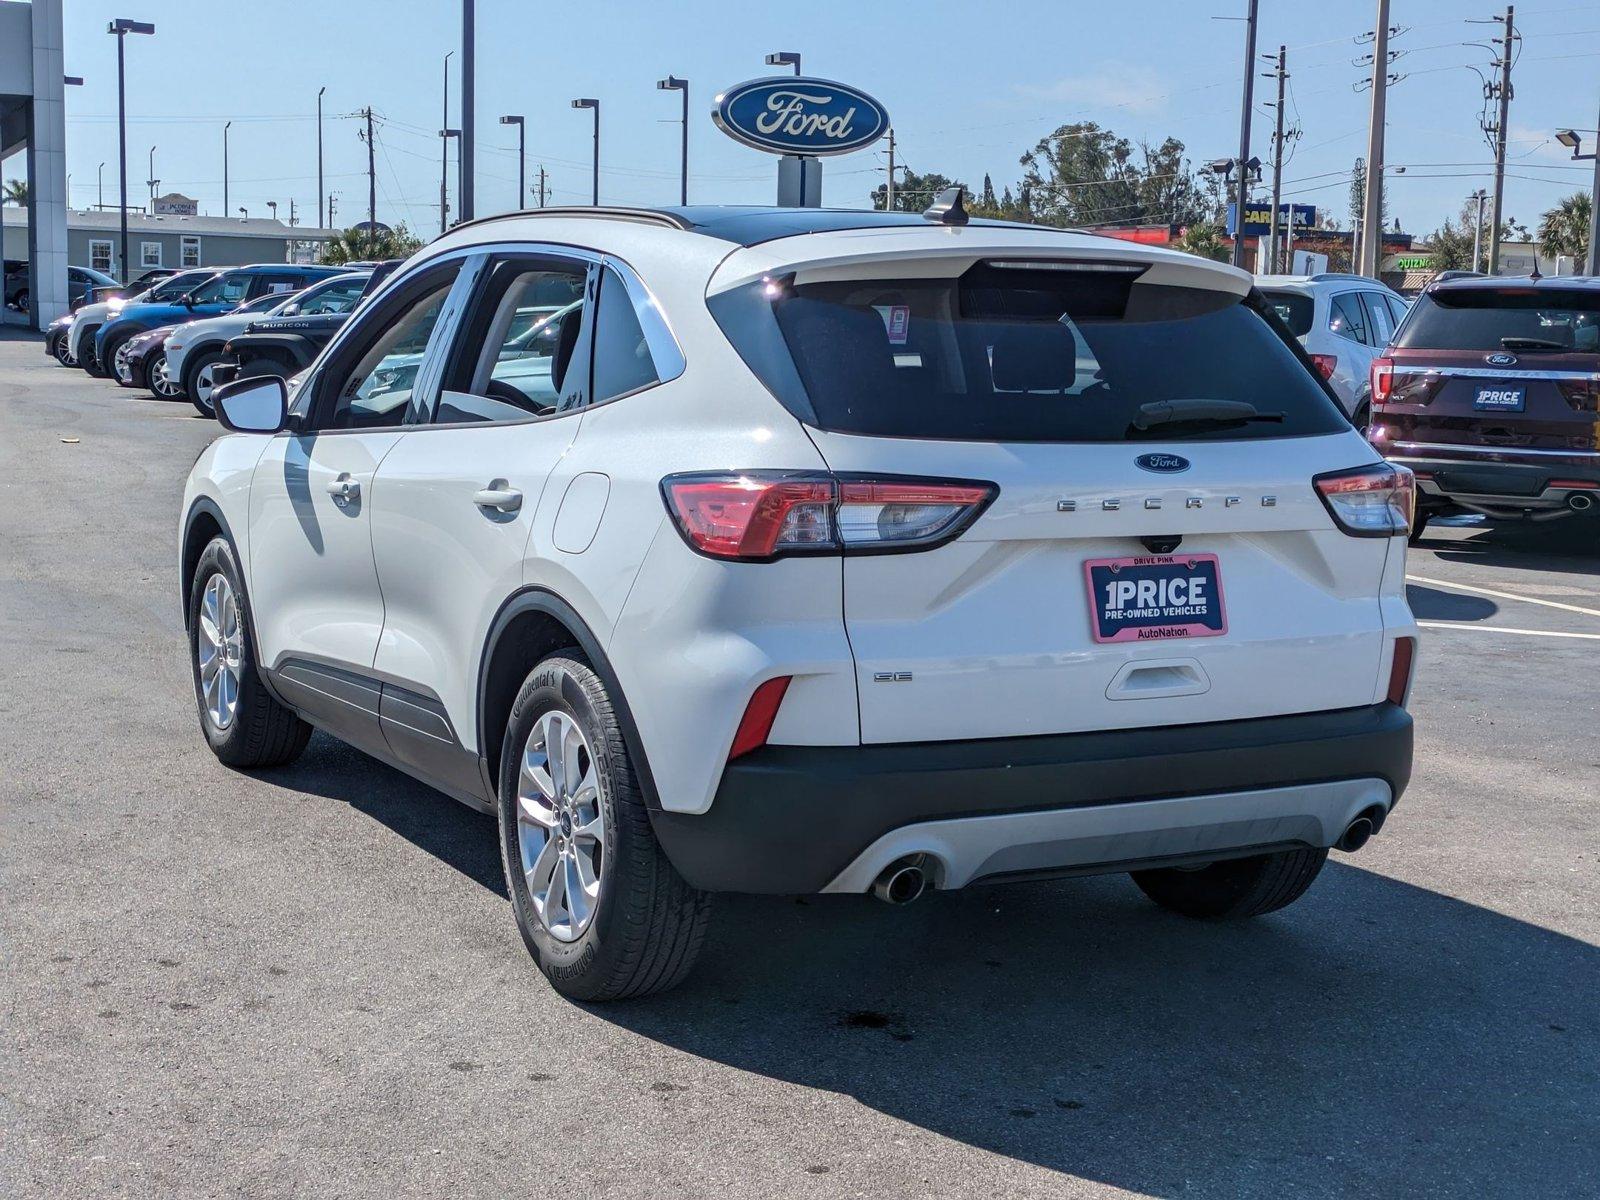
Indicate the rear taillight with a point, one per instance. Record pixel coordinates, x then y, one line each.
1382 379
1405 652
761 515
1375 501
1325 364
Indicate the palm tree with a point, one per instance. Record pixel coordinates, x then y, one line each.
16 192
1564 230
1204 240
356 245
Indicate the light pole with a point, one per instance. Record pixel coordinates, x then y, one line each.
590 102
1477 229
522 159
1591 261
225 129
468 103
273 205
100 187
320 90
120 28
673 84
244 213
444 152
785 58
1244 169
1244 126
447 134
152 181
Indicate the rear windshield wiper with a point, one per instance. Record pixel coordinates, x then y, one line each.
1199 412
1531 343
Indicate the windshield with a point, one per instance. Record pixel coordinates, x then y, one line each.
228 288
1022 353
1510 318
174 286
1295 308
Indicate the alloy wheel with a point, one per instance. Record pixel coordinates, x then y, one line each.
204 385
560 825
119 363
160 380
219 652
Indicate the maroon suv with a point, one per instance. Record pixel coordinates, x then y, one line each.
1491 395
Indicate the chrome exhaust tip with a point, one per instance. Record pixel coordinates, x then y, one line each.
1356 835
902 881
1580 501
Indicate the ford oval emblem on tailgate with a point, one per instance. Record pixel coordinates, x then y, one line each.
1165 464
1500 359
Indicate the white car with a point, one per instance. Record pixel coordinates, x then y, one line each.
853 552
191 350
88 319
1344 322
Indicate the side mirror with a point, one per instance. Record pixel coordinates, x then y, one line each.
256 405
186 300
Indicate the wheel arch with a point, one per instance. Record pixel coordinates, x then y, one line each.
529 625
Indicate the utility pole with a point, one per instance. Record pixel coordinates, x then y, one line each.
1591 263
1497 207
888 195
468 103
372 187
444 154
1477 229
225 209
1277 166
331 200
1244 131
1372 201
543 176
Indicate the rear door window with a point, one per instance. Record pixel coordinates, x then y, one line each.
1347 319
1021 353
1382 323
1511 318
1295 308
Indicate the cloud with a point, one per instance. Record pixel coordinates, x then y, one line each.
1115 85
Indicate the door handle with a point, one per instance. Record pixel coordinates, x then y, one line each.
499 497
344 489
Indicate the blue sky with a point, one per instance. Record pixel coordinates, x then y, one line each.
970 86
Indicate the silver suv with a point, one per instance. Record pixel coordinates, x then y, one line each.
1344 322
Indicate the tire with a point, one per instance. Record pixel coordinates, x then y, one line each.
86 358
21 299
157 381
196 390
258 731
1236 888
1419 523
644 925
113 347
58 347
1363 417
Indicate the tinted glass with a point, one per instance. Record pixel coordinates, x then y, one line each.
1019 355
622 361
228 288
1521 319
1347 319
171 288
1295 308
1382 324
337 297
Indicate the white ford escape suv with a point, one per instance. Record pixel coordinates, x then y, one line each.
799 551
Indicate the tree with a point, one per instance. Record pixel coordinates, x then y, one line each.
1204 239
913 192
1085 175
16 192
1564 229
355 245
1450 246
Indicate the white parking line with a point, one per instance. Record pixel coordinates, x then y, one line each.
1590 637
1467 587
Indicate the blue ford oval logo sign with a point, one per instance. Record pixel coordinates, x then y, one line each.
1164 464
799 115
1500 359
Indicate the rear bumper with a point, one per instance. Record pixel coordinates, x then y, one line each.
1507 484
798 819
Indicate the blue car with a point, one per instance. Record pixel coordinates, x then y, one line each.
222 293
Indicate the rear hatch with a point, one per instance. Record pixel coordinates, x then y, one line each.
1066 604
1507 367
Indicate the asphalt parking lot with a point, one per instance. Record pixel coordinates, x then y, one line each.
306 982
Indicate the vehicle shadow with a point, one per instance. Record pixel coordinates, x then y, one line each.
1431 604
1377 1039
1569 546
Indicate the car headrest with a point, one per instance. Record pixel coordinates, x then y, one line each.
1040 357
843 349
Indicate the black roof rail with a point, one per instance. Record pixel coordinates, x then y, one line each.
644 216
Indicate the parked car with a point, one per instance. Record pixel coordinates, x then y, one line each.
1344 322
847 552
198 351
285 343
165 366
86 322
81 281
142 360
1491 395
55 339
222 293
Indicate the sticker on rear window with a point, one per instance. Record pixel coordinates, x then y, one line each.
897 321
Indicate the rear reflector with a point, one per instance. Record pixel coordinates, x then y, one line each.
1573 483
755 516
1375 501
1405 651
1325 364
1382 379
759 715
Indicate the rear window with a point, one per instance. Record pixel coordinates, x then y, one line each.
1481 318
1294 308
1025 354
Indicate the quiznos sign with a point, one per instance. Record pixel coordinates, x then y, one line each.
798 115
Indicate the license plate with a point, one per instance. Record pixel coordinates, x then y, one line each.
1500 399
1156 597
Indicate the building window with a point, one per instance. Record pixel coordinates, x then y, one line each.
149 254
190 250
100 256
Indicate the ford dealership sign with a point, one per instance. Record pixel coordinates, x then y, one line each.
797 115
